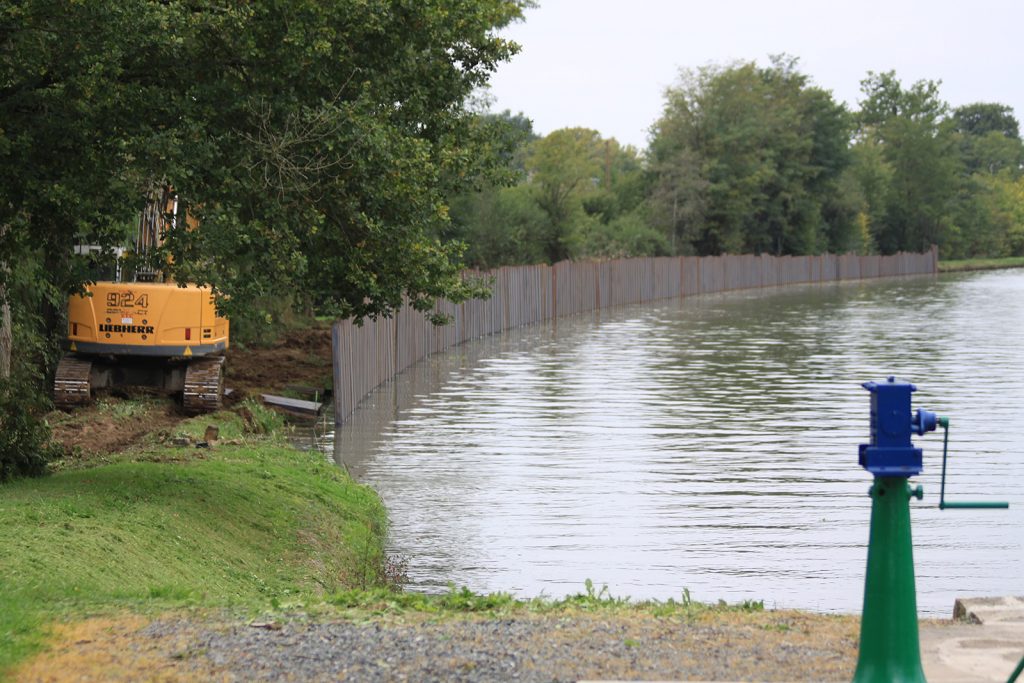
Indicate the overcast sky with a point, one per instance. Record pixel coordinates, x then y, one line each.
605 64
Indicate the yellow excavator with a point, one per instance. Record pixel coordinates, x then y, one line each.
145 330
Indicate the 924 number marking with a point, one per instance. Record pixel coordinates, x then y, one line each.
127 300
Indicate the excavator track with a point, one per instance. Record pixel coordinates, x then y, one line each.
71 384
204 386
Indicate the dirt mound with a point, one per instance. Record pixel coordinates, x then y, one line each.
112 424
299 358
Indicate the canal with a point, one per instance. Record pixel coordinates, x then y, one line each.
707 444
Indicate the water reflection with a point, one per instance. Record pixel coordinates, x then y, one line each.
708 443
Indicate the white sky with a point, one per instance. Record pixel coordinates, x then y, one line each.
604 64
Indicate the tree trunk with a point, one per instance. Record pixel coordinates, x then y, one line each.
5 318
5 334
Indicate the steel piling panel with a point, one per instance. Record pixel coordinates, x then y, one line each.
369 355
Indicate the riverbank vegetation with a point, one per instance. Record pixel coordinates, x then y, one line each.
464 601
247 523
958 265
750 158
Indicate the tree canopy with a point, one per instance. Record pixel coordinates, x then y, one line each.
747 158
316 142
579 195
907 126
752 158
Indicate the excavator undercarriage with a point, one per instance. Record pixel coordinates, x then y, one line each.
200 382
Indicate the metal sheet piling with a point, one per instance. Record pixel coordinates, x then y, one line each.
369 355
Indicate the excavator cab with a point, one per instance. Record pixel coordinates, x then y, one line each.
145 330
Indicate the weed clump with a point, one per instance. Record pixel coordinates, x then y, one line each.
386 600
259 419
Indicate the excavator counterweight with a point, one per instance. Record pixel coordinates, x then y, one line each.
145 331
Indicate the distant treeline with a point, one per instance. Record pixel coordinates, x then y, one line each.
752 159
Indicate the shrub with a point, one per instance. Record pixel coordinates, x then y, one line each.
25 450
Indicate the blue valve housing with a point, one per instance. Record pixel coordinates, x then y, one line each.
890 453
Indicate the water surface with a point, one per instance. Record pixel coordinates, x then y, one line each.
707 444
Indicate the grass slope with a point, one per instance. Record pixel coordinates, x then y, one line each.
247 524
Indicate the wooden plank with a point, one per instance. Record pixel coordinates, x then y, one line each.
294 405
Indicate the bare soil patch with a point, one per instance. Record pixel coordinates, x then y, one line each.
112 424
300 357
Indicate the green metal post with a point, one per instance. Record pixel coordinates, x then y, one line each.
890 651
1016 672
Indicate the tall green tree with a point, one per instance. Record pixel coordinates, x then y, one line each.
907 126
989 139
500 226
579 196
746 158
498 221
615 222
981 118
992 154
563 166
315 141
870 178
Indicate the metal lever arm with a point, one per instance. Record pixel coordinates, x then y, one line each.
975 505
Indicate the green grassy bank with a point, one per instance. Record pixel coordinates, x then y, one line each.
249 524
981 264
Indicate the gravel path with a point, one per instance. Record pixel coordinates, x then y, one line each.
770 646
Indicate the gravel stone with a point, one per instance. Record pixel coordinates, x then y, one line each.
531 648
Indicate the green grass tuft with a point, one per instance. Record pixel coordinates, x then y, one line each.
248 525
383 601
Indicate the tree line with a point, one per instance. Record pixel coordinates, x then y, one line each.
757 159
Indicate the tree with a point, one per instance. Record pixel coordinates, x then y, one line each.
64 178
501 226
590 189
745 158
1014 208
350 153
628 235
579 196
870 178
6 331
678 196
992 153
906 124
989 138
316 142
562 167
829 126
981 118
